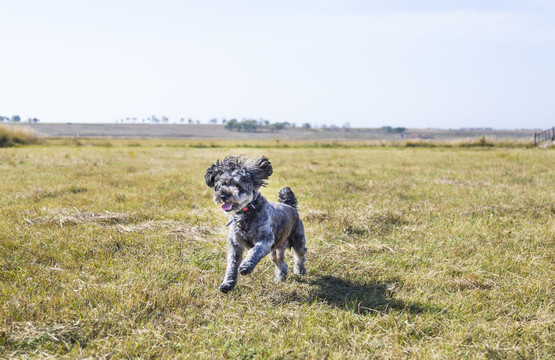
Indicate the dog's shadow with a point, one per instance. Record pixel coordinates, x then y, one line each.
364 297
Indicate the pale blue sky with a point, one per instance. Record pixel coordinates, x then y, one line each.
447 64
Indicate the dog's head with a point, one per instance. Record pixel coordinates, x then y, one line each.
236 180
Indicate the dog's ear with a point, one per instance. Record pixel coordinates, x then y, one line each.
259 170
211 174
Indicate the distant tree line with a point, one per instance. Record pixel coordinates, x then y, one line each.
246 125
250 125
254 125
151 119
17 118
154 119
393 130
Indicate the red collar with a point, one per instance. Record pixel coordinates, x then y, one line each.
242 211
245 209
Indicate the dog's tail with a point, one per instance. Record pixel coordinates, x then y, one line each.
287 197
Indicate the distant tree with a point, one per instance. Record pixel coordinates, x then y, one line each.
232 125
390 130
244 125
277 127
214 121
190 121
306 126
251 125
16 118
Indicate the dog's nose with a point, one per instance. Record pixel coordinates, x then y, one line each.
224 197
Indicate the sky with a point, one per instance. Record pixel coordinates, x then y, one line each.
368 63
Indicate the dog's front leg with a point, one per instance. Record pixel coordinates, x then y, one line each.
234 256
260 249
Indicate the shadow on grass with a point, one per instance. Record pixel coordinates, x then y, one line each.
363 298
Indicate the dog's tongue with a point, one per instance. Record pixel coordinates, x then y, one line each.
227 206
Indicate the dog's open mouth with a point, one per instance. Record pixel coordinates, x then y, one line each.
227 206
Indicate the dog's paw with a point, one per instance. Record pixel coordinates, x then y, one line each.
245 269
299 271
227 286
280 277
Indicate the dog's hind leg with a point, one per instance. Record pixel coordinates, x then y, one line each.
298 244
299 256
278 257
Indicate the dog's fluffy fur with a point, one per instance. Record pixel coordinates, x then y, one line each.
255 224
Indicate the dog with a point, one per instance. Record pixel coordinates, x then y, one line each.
255 224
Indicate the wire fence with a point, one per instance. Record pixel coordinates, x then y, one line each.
546 135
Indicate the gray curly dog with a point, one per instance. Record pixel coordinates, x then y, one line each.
260 226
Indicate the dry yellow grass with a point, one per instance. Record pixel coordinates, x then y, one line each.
16 135
116 250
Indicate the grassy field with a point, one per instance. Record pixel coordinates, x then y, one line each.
115 250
